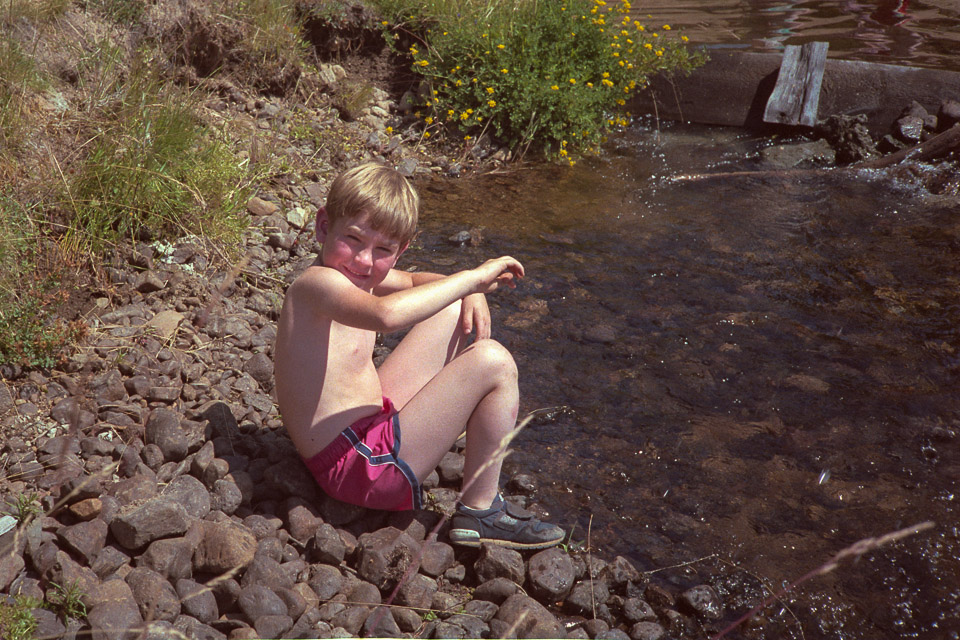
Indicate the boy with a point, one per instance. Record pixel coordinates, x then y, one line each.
346 417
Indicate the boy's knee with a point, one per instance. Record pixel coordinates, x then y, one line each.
496 355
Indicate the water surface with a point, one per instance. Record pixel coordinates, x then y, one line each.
760 371
905 32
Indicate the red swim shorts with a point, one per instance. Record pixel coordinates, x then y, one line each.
362 465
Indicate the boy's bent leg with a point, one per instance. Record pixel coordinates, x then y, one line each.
422 353
478 389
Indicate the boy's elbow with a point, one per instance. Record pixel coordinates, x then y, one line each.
389 317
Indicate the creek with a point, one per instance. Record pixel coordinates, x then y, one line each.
755 372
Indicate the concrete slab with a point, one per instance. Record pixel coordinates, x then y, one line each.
733 87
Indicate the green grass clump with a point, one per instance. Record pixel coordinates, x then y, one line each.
30 332
556 74
154 168
17 621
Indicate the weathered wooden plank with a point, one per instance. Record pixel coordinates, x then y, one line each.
796 96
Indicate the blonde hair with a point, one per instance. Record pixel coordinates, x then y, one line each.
381 193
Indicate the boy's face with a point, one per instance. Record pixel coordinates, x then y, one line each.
356 250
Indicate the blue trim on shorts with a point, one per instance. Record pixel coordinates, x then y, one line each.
389 458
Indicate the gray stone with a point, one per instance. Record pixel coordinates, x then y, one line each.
194 629
437 557
224 546
170 557
702 601
417 591
380 624
551 574
273 626
325 580
384 555
537 621
638 610
163 429
585 595
260 368
495 561
197 600
496 590
86 539
115 621
153 594
266 571
226 497
647 631
257 600
138 525
189 492
451 467
327 546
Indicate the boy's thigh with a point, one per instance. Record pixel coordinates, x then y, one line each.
421 354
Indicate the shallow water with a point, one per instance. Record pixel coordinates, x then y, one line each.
759 371
905 32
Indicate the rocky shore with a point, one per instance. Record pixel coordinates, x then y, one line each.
154 487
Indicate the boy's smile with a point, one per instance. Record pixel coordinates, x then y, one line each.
362 254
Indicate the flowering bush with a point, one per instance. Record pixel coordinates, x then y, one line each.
556 74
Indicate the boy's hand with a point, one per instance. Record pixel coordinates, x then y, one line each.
503 271
475 314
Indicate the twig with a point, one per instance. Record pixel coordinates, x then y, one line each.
856 549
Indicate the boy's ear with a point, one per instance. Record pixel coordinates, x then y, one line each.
402 249
323 224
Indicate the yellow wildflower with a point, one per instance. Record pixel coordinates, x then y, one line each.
501 46
491 103
573 81
426 134
666 27
428 120
504 71
489 89
555 87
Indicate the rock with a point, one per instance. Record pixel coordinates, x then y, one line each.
380 624
451 467
226 497
170 557
327 546
437 558
417 592
149 282
153 594
11 564
637 610
495 561
908 129
948 115
224 546
85 539
325 581
647 631
266 571
164 324
384 555
163 429
584 596
260 207
702 601
273 626
551 574
260 368
538 621
86 509
138 525
115 620
190 493
197 600
302 523
257 600
496 590
807 154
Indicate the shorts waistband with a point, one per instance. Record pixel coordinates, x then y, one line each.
342 443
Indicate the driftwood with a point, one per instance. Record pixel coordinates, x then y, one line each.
796 96
936 147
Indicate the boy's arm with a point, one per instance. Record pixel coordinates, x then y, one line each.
475 314
336 297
